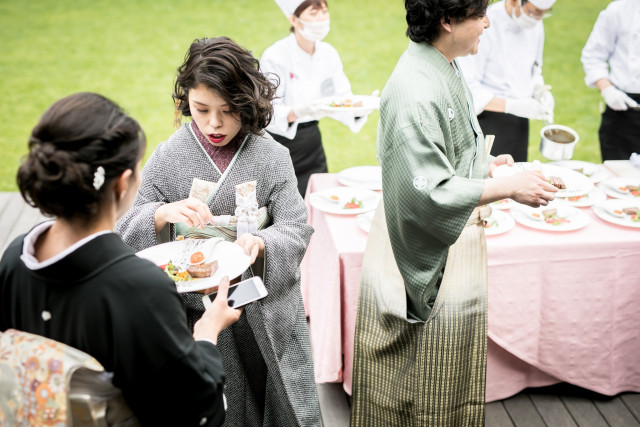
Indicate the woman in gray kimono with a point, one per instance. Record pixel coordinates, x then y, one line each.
420 341
267 354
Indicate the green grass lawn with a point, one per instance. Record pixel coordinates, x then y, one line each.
128 50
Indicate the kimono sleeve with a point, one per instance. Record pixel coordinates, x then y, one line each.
422 193
157 363
287 237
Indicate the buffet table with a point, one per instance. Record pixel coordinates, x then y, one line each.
563 307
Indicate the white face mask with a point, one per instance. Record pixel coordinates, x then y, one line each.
314 31
524 21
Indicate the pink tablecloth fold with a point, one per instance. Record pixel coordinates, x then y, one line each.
562 306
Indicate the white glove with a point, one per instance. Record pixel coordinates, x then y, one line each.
528 108
310 110
617 99
543 94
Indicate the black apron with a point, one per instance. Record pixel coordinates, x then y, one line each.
511 132
620 132
306 152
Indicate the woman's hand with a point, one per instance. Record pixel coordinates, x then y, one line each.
191 211
252 245
218 316
502 159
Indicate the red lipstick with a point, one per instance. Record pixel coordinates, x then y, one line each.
216 138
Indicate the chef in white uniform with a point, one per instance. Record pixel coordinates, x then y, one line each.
505 77
611 62
308 70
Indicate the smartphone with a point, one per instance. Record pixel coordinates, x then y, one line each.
241 294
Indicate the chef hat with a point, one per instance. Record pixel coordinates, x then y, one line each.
290 6
541 4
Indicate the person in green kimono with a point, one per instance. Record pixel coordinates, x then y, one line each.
421 329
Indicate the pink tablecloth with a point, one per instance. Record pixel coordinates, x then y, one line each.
563 307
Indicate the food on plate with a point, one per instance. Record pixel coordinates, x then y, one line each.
551 217
179 237
203 270
631 211
353 204
634 190
501 202
557 182
346 103
334 198
489 222
585 171
196 258
175 273
578 198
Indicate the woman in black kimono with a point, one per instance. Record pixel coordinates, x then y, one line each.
73 280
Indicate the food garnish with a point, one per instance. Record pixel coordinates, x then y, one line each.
353 204
577 198
551 217
175 273
557 182
196 257
346 103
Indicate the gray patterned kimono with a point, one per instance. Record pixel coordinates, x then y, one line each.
267 353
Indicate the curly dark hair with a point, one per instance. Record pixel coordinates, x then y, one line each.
423 16
234 74
74 137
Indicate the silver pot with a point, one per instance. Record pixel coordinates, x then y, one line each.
553 150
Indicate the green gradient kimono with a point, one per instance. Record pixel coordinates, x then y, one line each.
420 345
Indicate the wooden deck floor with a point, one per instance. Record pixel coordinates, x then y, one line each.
561 405
555 406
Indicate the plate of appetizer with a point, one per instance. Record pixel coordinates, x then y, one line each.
555 217
622 187
591 198
596 173
349 103
344 200
197 264
364 221
568 182
503 204
369 177
498 222
619 211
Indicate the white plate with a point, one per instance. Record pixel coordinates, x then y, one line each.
603 210
232 261
504 204
368 103
322 200
591 198
369 177
499 222
527 217
613 187
577 184
364 221
593 171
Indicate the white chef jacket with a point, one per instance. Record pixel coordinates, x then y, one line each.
613 48
509 60
305 78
